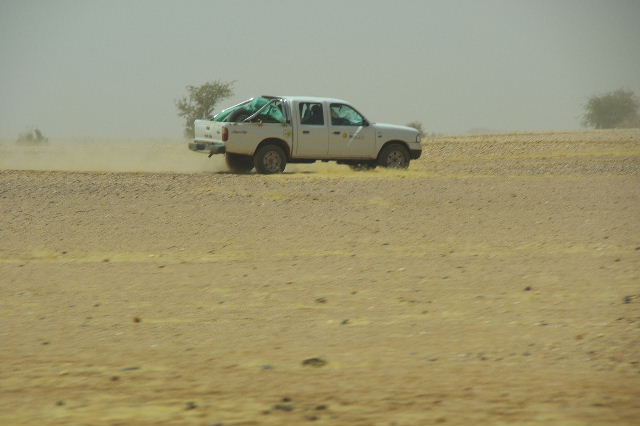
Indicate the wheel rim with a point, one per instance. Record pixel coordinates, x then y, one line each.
272 161
396 159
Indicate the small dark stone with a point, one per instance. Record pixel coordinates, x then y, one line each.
526 353
105 260
345 321
286 399
617 260
60 403
527 288
45 343
96 305
321 300
191 405
321 407
314 362
283 407
115 378
130 369
627 299
311 417
266 367
137 319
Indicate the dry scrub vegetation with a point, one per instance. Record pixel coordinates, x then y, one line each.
494 282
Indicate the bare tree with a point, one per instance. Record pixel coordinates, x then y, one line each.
200 102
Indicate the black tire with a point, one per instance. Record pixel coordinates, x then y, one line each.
363 167
394 156
238 163
270 159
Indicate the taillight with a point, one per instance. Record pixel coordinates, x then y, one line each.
225 134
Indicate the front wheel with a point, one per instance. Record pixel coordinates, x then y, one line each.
394 156
238 163
270 159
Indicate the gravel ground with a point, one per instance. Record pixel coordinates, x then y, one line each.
494 282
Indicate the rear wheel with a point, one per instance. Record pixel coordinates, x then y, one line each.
270 159
394 156
238 163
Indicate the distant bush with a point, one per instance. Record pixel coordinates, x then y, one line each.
416 125
33 137
612 110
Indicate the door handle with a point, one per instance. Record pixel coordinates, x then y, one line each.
305 132
336 132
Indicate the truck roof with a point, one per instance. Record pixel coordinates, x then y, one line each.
310 99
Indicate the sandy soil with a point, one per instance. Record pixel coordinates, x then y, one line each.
494 282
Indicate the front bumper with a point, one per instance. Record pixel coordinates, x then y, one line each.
207 147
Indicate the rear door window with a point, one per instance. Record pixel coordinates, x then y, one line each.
311 113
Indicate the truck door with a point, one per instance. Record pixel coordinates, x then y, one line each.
313 134
350 135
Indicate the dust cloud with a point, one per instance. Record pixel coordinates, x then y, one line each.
108 156
154 156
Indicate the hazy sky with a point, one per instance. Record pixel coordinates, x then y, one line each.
113 69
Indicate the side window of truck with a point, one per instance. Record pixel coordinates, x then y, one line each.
344 115
311 113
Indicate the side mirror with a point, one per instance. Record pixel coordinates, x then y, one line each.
365 123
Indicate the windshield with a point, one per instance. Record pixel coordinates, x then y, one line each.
273 113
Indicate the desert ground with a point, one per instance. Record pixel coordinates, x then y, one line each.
496 281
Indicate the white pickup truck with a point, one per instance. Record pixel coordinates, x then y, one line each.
268 132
